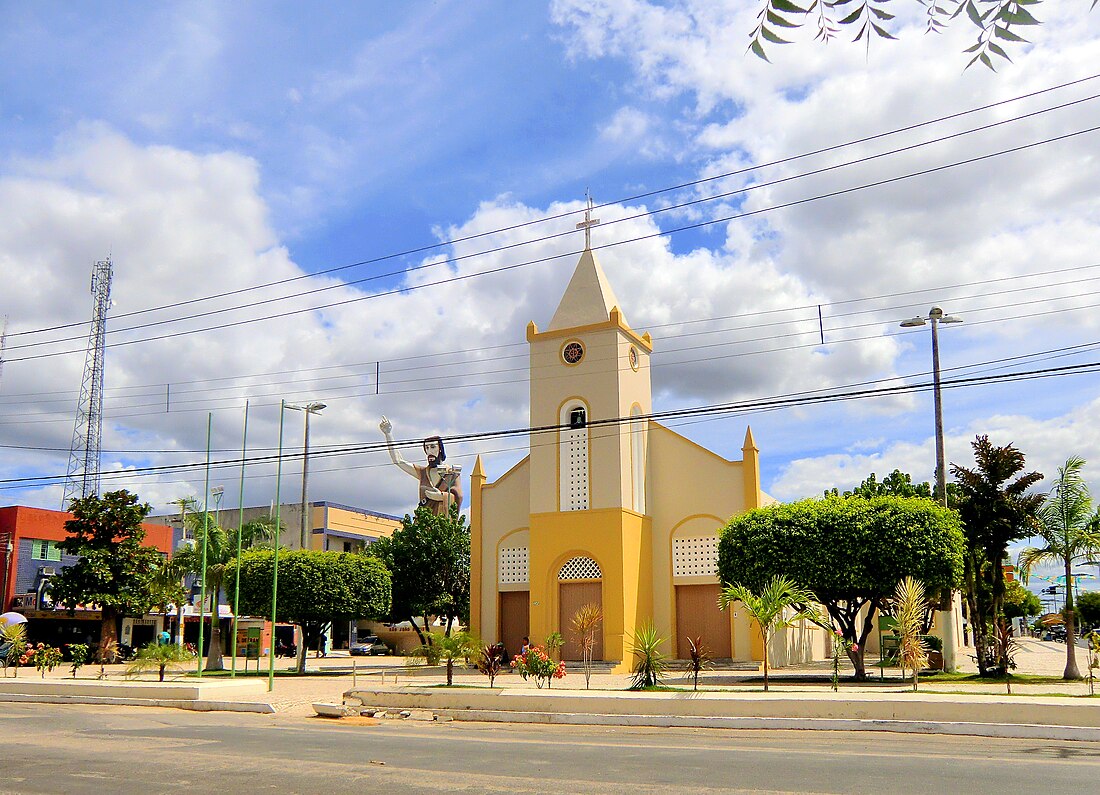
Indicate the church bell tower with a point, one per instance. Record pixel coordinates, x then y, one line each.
590 531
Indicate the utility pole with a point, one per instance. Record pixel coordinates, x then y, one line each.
83 477
307 409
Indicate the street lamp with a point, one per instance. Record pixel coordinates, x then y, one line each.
936 316
307 409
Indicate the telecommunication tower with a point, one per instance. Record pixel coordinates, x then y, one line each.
83 474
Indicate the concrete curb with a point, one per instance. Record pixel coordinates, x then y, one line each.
1023 731
982 716
197 705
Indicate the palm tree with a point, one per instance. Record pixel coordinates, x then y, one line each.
221 548
1071 534
781 603
996 510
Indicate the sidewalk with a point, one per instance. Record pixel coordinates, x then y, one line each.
293 695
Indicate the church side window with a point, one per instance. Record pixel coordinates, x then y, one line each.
637 458
513 566
695 557
573 462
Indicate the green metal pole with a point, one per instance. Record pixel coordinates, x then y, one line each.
278 538
205 534
240 531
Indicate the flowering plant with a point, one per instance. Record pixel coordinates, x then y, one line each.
45 658
537 663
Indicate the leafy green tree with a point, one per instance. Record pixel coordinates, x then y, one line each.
850 553
997 508
115 571
998 23
1088 608
221 548
429 558
1019 602
778 604
314 589
1071 535
896 484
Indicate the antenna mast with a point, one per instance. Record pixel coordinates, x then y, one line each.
3 344
83 474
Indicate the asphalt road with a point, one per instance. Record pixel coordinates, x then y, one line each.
78 749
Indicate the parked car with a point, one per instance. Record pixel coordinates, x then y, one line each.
368 645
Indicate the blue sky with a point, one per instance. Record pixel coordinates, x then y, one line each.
212 147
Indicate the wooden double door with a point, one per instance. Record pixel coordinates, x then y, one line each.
698 615
572 596
515 620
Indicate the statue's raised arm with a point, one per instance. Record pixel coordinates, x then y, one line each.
387 430
440 484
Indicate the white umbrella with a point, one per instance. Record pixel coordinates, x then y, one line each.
12 618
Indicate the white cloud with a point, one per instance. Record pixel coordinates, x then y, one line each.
183 225
1046 443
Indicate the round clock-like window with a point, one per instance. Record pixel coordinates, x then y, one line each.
572 353
633 357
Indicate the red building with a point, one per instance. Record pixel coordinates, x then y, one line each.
29 556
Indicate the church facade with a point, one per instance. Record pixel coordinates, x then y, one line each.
609 507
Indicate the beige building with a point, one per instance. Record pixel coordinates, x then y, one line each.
332 526
609 507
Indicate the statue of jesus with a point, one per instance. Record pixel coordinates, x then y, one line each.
440 483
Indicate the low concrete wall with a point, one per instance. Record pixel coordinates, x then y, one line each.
195 690
893 707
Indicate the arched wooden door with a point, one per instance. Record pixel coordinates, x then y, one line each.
572 597
580 582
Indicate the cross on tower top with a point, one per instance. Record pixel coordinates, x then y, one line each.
588 222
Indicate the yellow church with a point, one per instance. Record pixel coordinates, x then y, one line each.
605 509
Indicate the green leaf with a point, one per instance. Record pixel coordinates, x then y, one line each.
882 32
984 58
999 50
862 31
848 20
788 6
878 12
1004 33
758 50
1021 17
775 19
975 16
974 47
767 34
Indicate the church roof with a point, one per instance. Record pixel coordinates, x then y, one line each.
588 298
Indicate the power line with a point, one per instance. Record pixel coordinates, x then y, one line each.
571 213
942 292
334 392
638 238
790 400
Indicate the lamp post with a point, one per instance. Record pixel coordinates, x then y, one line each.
307 409
936 316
